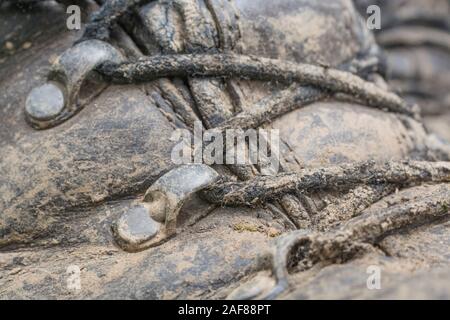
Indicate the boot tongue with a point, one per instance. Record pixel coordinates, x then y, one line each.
307 31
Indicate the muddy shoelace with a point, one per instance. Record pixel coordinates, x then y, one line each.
255 68
265 188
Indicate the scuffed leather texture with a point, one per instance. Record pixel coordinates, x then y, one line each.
60 189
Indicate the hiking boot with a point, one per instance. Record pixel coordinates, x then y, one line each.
93 205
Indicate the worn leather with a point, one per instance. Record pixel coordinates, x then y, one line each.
61 189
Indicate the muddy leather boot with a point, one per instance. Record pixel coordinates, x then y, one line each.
92 205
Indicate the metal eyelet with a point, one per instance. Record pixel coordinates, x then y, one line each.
154 221
71 83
